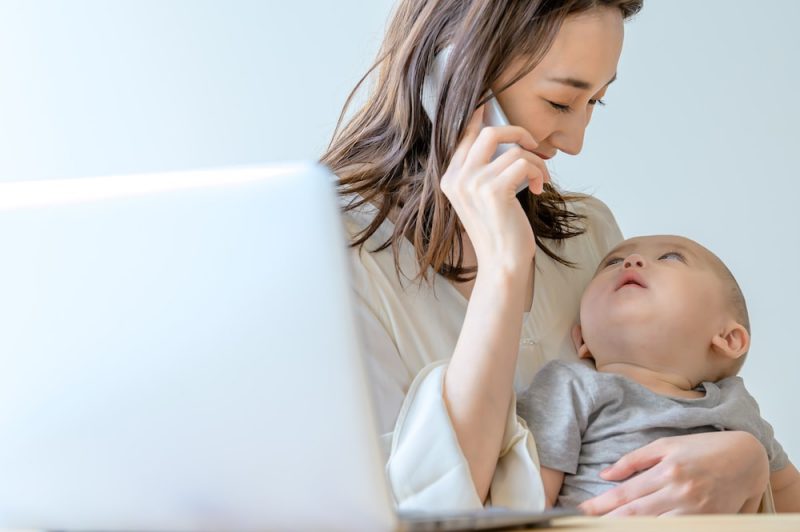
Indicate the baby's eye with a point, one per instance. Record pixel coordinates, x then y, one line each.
612 261
672 255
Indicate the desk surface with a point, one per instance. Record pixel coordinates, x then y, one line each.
694 523
702 523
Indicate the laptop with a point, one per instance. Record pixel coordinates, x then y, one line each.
179 353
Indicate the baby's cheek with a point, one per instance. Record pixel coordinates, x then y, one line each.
589 316
589 300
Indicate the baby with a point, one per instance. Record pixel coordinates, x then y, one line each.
663 331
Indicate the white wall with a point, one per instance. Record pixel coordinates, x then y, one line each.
91 87
697 139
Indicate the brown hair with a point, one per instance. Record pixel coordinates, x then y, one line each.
390 153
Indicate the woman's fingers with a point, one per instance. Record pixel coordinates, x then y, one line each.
643 458
490 137
513 169
657 503
633 497
519 172
512 155
635 461
471 132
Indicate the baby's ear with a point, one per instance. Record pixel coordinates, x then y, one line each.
580 345
733 341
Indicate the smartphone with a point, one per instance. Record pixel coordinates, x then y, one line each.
493 114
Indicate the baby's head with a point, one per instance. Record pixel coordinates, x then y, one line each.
667 304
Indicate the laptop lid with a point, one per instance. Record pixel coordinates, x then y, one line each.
178 352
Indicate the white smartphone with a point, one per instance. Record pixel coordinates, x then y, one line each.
493 114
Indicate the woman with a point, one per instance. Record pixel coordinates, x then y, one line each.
446 256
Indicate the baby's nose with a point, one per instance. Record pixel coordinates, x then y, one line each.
634 259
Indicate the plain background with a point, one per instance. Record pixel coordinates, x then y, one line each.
698 137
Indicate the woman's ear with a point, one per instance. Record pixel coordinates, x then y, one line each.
580 345
733 341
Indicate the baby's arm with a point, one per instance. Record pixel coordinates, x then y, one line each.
785 488
785 482
552 480
555 407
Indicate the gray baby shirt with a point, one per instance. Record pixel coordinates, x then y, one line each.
584 421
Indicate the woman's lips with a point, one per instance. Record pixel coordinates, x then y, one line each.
542 156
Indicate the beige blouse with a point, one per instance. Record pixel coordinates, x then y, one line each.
409 333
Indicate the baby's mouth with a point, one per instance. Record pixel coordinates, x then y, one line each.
630 278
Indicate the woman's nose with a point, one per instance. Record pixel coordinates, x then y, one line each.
633 260
569 137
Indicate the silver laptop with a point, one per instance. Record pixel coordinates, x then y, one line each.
178 353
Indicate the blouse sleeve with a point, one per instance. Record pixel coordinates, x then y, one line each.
426 468
428 471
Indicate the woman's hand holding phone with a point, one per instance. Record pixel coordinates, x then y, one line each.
483 192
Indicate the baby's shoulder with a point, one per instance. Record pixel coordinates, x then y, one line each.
732 389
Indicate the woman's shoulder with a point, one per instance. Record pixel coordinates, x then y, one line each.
602 230
372 265
593 208
356 214
356 218
422 317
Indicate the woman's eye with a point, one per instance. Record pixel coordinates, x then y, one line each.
612 261
672 255
559 107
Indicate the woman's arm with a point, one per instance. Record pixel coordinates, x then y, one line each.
712 472
478 384
786 489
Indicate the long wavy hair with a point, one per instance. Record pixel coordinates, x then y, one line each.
392 155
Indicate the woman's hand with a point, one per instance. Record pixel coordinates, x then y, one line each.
483 192
713 472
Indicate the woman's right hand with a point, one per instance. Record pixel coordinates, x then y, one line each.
483 192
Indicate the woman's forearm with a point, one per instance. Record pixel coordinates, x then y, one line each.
478 385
